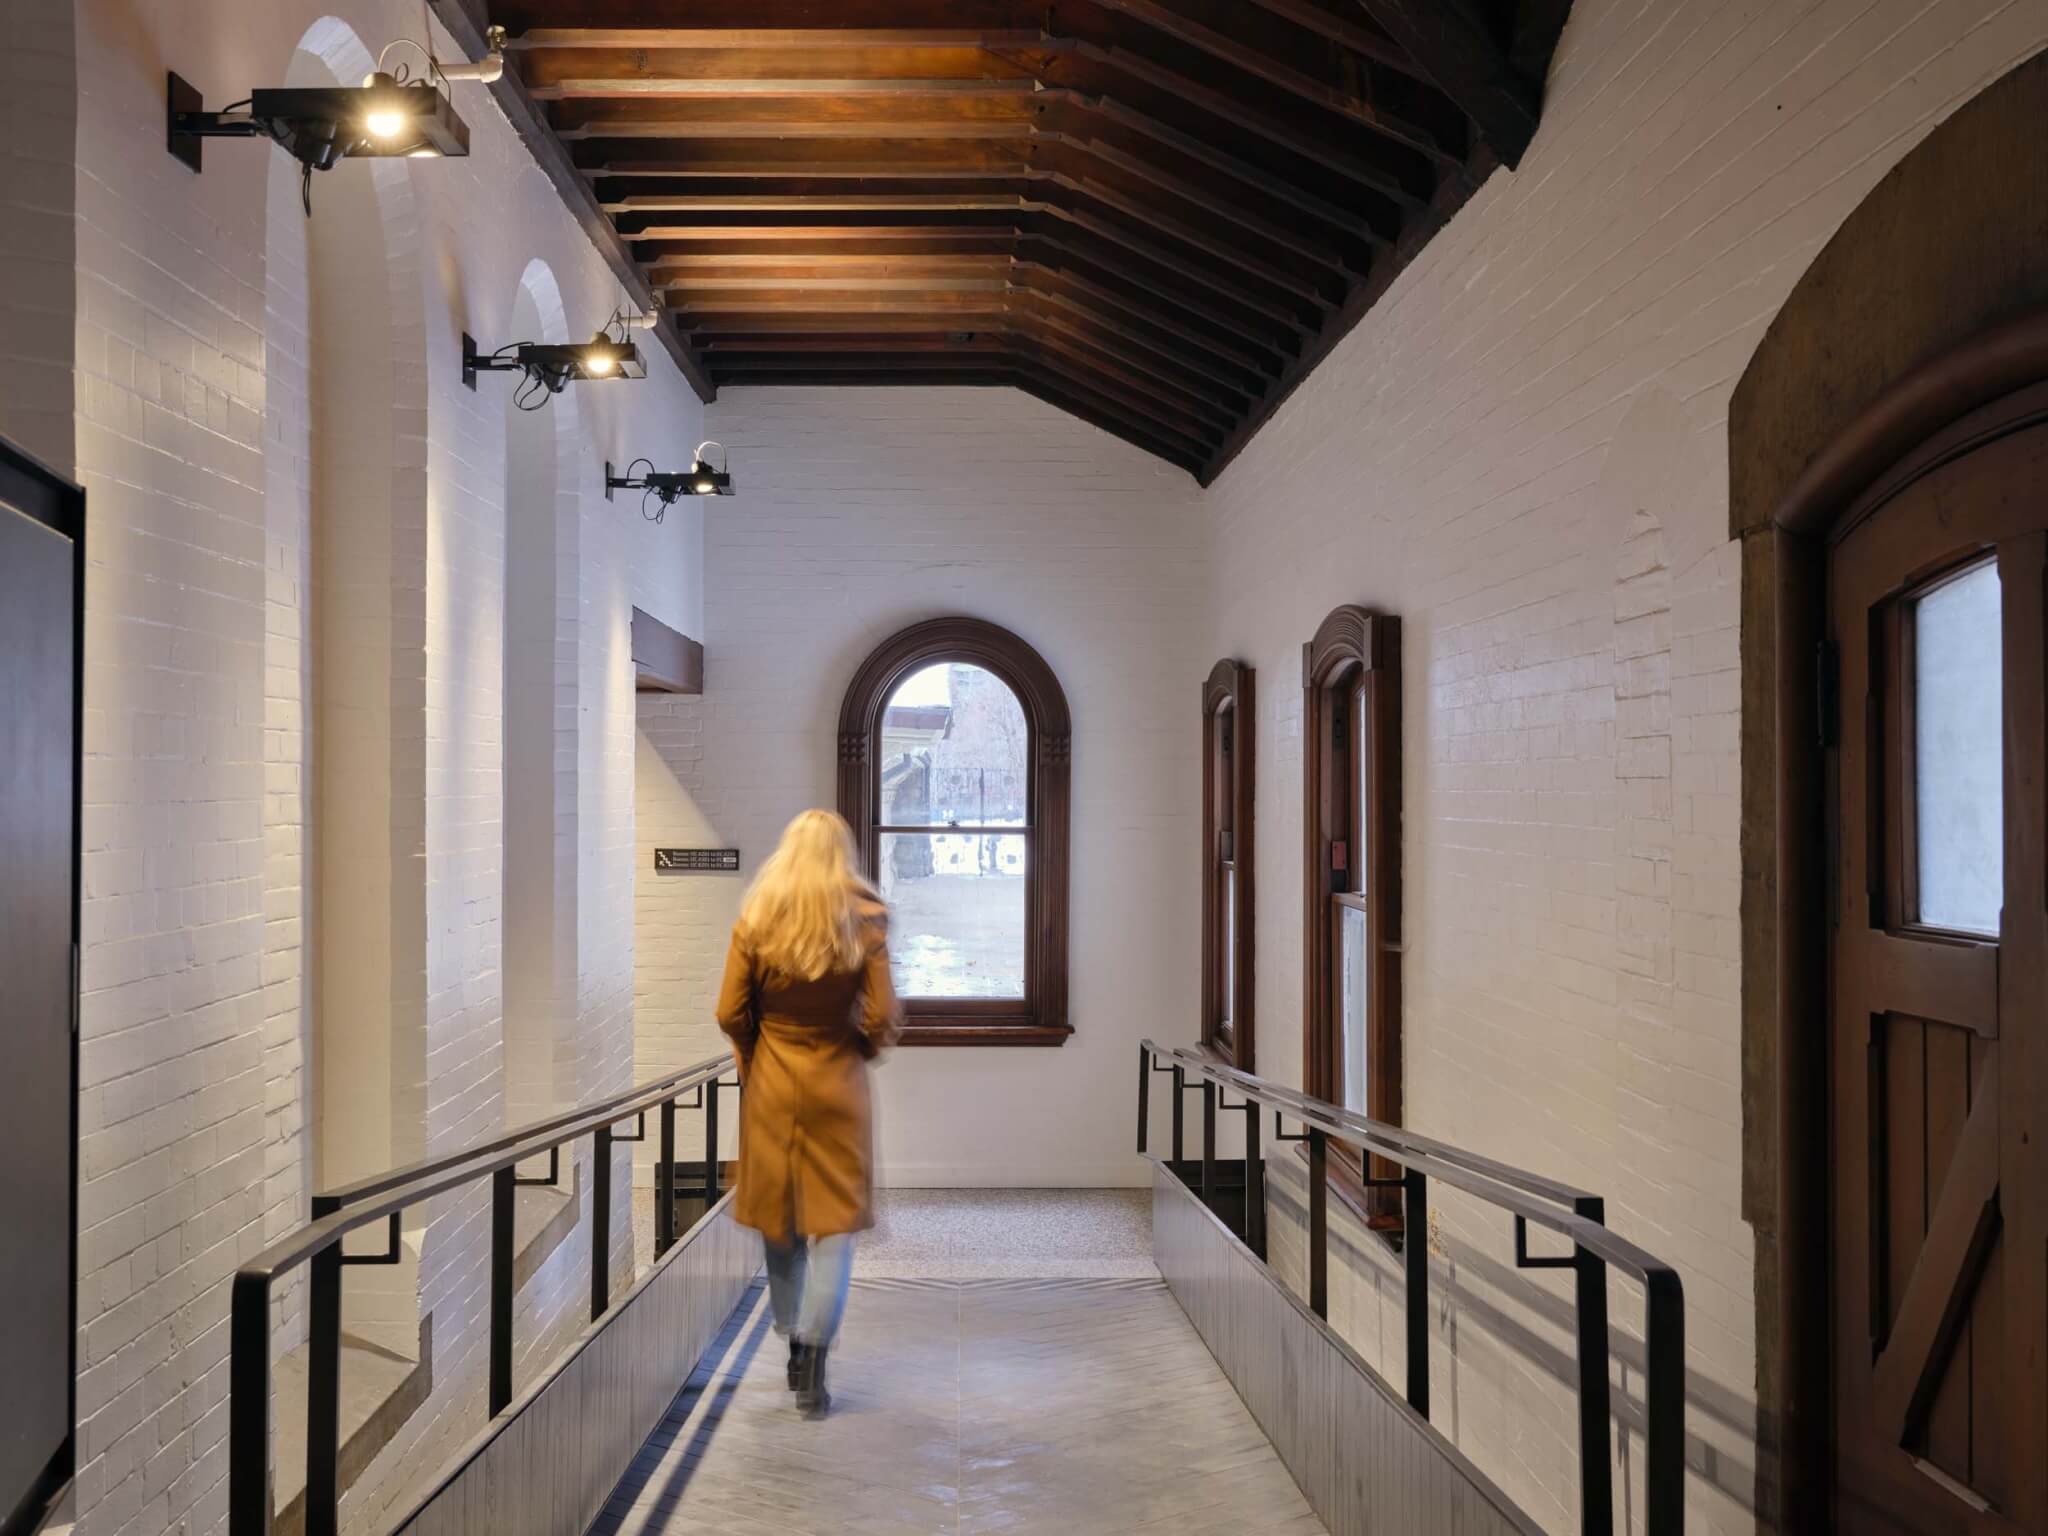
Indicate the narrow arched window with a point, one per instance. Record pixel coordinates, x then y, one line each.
1227 863
954 745
1351 935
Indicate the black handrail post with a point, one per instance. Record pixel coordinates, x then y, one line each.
1144 1093
1415 1253
1664 1403
665 1182
249 1511
1209 1143
1318 1222
1589 1287
711 1169
601 1225
323 1384
1254 1182
501 1289
1596 1475
1180 1152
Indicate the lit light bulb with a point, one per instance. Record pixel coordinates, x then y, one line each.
598 362
702 487
384 121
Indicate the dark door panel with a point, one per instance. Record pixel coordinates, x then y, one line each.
38 864
1938 1078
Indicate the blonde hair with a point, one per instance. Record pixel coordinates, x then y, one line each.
803 912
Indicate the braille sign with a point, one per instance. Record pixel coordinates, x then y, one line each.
695 860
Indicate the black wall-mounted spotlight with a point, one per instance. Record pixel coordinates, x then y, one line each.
662 488
550 367
389 114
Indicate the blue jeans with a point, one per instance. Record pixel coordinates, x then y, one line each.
807 1282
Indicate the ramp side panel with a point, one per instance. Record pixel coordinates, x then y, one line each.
546 1465
1361 1456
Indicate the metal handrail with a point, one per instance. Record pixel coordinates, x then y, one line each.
385 1197
377 1183
1529 1198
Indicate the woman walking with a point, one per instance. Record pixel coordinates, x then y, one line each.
808 1003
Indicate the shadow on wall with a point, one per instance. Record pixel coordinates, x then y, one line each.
1529 1325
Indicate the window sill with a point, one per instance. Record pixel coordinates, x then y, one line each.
1348 1185
980 1032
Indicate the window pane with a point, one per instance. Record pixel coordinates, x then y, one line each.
958 903
1351 1005
954 749
1362 817
1959 800
1227 1002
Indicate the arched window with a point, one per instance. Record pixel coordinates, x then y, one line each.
1227 863
1351 935
954 745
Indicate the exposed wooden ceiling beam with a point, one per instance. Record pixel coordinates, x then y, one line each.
1451 40
780 39
1182 97
1112 130
1188 277
1156 214
520 17
1020 311
767 89
1156 132
1131 339
1253 50
920 115
1221 357
1337 21
1046 157
1087 204
1169 395
740 335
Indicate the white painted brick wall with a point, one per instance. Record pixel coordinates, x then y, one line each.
190 332
38 239
862 511
1522 451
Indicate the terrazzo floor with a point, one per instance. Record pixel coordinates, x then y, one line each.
1068 1407
989 1234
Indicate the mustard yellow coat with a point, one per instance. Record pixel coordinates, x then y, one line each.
806 1123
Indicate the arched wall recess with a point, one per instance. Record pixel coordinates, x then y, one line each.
540 763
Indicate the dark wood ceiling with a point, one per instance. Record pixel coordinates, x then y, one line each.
1156 214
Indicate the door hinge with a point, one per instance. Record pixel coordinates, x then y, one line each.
1827 693
1337 727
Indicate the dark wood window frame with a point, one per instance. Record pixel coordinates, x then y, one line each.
1228 701
1041 1017
1351 812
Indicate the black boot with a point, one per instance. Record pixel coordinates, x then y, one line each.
796 1360
811 1396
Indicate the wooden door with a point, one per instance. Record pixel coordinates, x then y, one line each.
1938 972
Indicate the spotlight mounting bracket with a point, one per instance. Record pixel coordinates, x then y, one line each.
666 487
550 367
317 125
